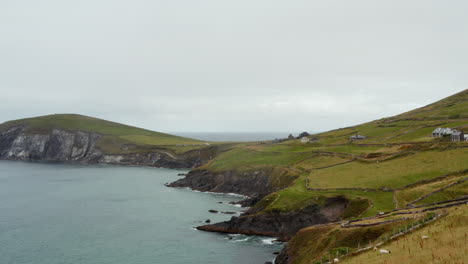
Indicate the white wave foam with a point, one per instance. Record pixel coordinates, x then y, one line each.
241 240
268 241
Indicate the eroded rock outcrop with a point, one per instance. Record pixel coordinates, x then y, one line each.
282 224
255 183
58 145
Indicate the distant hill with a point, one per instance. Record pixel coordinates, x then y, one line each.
119 132
78 138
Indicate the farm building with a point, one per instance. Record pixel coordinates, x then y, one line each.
357 137
442 132
305 140
458 136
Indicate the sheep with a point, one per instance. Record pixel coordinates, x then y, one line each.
375 248
336 260
384 251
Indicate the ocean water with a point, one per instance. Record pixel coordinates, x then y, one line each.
235 136
56 213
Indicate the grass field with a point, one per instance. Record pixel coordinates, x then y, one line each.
452 192
411 194
447 243
321 244
394 173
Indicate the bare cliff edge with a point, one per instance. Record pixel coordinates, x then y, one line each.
81 147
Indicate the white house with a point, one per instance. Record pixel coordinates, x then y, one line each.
357 137
442 131
305 140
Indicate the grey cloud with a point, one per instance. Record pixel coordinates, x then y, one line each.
215 65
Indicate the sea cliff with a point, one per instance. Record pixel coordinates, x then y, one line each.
82 147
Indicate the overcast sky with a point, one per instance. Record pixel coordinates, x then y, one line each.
243 65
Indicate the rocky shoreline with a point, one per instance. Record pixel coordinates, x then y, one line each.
82 147
255 221
254 184
282 225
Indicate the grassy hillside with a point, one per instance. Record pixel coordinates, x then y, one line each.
445 231
399 152
446 243
412 126
114 134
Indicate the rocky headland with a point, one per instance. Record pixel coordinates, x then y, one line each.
16 143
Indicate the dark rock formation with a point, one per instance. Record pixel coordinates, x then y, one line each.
255 184
57 145
78 146
282 224
213 211
282 257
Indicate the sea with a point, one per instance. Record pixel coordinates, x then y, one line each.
102 214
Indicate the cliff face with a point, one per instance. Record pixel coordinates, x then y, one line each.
79 146
282 224
257 184
254 183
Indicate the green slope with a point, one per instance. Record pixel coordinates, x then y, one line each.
399 165
412 126
398 152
